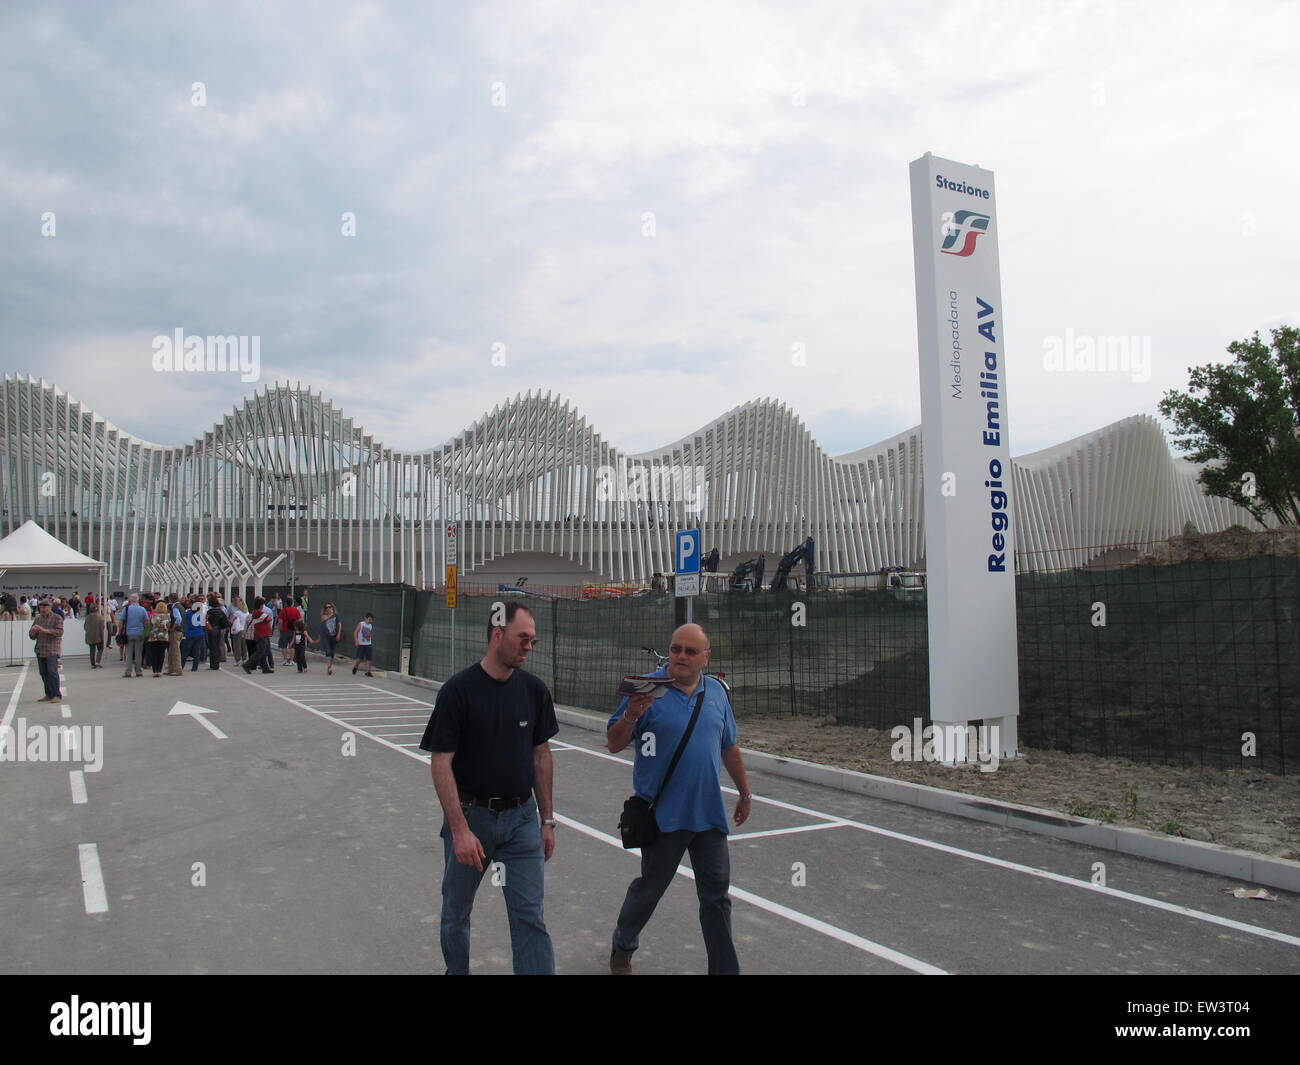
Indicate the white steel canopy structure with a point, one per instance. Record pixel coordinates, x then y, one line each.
287 471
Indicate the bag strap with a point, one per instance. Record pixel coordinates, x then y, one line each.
677 754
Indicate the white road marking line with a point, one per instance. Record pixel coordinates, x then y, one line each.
1002 863
772 907
397 695
380 715
321 714
398 724
421 715
202 719
901 837
13 696
65 710
834 932
787 831
78 781
92 879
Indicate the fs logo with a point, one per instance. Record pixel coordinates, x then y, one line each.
968 224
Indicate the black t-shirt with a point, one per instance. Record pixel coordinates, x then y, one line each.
492 726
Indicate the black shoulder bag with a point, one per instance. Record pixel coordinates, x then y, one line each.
637 826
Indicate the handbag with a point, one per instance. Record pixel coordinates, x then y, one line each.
638 826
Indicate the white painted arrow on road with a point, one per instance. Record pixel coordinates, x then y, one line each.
197 712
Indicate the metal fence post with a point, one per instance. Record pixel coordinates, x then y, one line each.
555 650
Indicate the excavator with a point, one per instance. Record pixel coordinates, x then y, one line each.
748 575
804 553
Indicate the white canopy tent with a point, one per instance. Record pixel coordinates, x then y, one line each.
33 561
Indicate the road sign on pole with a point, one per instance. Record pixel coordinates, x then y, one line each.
450 542
686 559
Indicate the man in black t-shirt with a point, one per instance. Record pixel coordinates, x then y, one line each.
488 737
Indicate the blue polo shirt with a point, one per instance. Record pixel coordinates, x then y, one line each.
693 799
135 619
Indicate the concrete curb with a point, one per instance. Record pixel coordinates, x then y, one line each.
1232 864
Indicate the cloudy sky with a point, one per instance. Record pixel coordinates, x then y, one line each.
642 207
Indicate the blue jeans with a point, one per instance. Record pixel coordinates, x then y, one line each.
49 668
711 865
513 838
192 649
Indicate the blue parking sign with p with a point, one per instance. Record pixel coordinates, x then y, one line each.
688 551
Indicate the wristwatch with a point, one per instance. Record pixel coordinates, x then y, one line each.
548 822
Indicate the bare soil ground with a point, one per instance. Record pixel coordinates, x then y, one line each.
1257 812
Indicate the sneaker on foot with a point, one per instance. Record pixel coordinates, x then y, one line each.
620 964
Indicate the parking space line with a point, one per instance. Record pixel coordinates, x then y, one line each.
805 920
321 714
92 879
835 821
813 923
361 717
787 831
1016 867
398 695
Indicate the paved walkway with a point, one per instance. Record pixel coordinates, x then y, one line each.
296 831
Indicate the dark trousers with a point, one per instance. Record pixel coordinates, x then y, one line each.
192 649
96 654
260 656
712 867
156 654
49 668
216 647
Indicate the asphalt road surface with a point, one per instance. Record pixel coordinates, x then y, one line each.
294 829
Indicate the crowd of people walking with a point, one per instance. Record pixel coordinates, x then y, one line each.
165 633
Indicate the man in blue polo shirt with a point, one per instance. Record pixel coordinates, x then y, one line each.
135 617
690 812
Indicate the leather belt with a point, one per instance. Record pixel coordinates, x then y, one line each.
496 803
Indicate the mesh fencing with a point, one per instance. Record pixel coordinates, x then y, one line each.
393 606
1193 662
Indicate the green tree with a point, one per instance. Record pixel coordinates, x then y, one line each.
1244 419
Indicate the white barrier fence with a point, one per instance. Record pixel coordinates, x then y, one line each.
17 647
